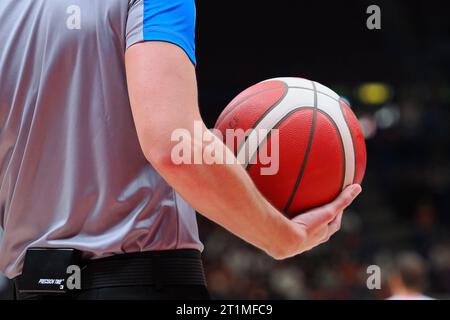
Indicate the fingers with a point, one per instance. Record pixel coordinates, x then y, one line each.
325 232
321 217
346 198
332 229
335 225
316 219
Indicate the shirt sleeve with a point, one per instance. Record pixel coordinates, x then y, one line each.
171 21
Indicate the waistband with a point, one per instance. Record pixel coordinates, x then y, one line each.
154 268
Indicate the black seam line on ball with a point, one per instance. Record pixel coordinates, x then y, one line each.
308 150
238 103
317 91
277 125
341 140
344 160
287 87
249 164
262 117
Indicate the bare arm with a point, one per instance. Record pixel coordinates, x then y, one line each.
163 93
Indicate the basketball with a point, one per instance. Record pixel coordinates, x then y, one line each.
321 145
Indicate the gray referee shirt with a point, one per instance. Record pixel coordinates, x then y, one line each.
72 172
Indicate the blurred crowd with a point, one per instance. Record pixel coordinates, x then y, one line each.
404 207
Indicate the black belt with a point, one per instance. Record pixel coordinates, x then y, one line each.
155 268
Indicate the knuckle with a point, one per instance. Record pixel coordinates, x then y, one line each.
348 198
329 213
326 239
335 230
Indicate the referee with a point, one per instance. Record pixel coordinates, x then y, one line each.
90 93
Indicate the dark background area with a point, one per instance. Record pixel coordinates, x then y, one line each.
240 43
405 203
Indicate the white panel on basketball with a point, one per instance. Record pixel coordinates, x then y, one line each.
294 99
295 82
307 84
321 88
333 109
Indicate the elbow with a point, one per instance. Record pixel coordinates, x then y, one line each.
160 157
165 158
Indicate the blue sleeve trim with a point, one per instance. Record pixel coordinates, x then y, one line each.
171 21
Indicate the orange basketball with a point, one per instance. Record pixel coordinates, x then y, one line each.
321 147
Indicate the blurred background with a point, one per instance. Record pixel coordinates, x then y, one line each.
397 80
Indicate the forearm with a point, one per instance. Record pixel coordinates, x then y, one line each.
226 195
163 97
